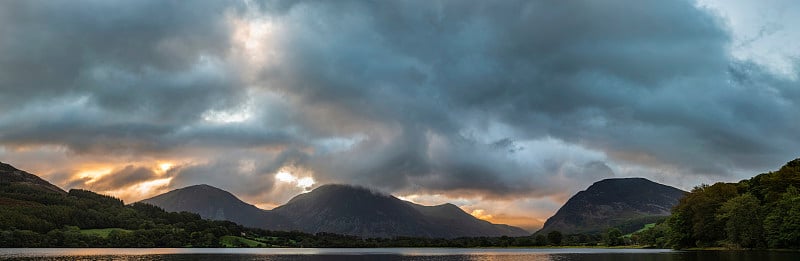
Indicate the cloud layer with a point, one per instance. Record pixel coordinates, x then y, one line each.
501 101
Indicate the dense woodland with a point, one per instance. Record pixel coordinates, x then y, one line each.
761 212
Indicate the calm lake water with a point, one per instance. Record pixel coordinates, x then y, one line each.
391 254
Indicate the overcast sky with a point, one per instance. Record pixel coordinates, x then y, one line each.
505 108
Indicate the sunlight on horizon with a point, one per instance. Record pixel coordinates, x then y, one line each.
286 177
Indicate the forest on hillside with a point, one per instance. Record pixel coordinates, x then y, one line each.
761 212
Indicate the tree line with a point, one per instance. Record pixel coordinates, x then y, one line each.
761 212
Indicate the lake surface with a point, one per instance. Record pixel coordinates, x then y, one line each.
389 254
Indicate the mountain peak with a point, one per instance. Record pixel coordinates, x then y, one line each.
611 180
622 181
203 187
214 203
330 192
10 174
613 202
355 210
448 205
346 188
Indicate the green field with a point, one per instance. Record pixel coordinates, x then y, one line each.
234 241
646 227
101 232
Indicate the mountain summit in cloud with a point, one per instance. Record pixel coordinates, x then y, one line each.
340 209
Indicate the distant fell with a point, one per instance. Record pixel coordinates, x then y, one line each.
625 203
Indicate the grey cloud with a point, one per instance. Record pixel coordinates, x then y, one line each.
226 172
626 78
120 77
424 85
83 134
128 57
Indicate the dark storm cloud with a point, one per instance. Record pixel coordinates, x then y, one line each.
86 133
144 57
500 98
233 172
647 82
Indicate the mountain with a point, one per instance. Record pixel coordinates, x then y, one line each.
625 203
217 204
340 209
10 174
355 211
351 210
451 218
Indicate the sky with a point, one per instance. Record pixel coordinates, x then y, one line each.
504 108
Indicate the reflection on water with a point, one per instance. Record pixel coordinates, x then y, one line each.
391 254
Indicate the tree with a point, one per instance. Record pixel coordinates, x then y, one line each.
694 220
540 240
679 230
782 223
613 237
743 223
654 236
554 237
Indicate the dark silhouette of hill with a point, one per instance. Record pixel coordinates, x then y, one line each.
217 204
10 174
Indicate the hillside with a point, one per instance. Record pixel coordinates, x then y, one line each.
10 174
453 219
625 203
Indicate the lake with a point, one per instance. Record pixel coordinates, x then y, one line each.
389 254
